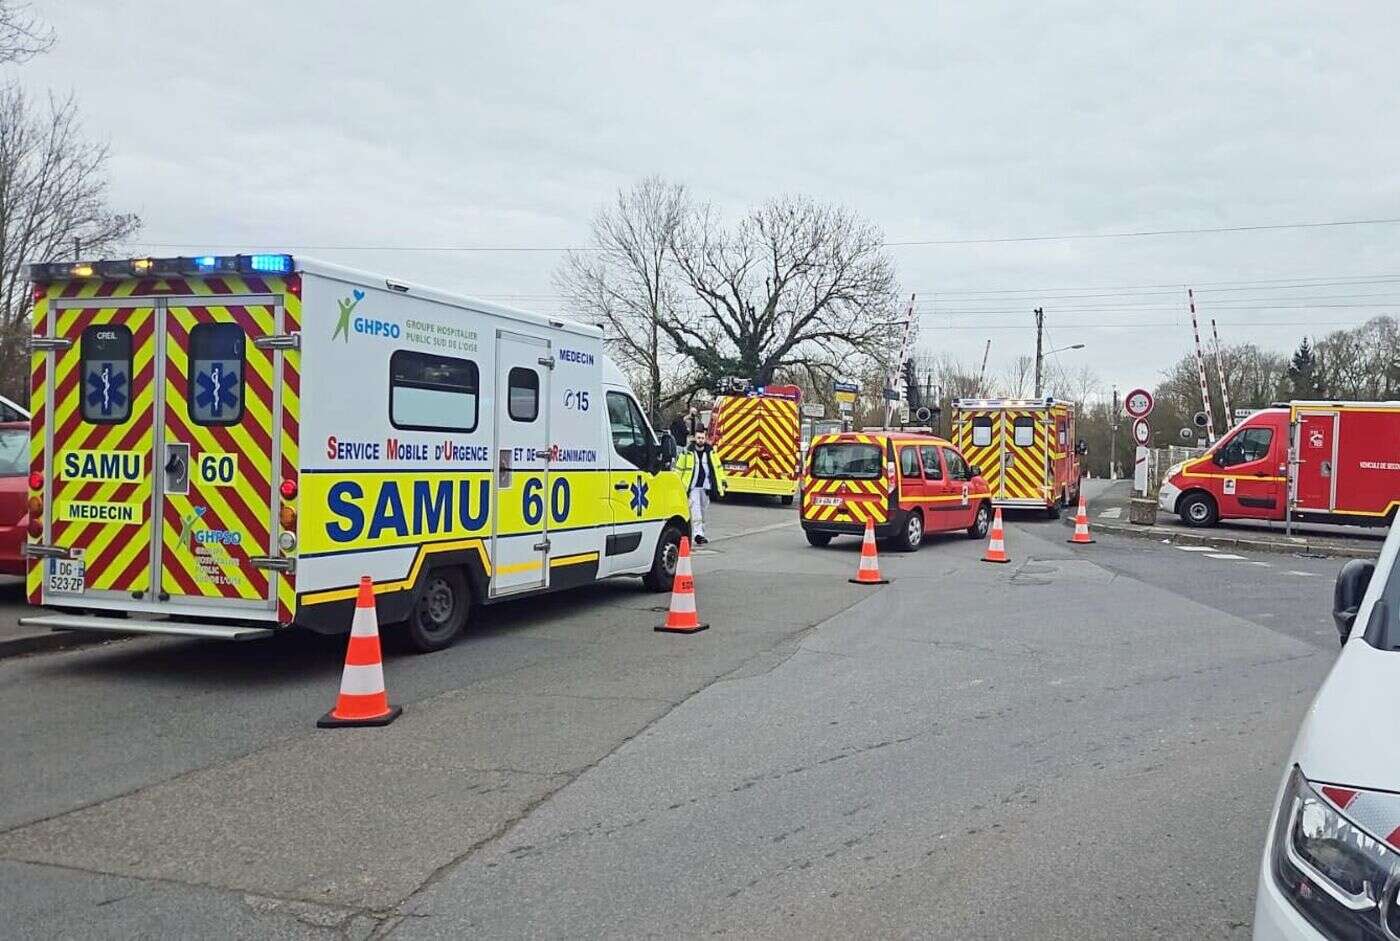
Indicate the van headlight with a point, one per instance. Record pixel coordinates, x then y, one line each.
1341 878
1174 470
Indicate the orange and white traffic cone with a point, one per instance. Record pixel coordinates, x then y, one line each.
869 571
996 545
1081 535
363 699
682 617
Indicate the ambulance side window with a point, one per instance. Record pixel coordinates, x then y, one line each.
631 439
106 387
1025 431
523 394
909 463
932 469
432 393
981 431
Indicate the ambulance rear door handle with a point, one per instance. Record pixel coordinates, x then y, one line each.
542 546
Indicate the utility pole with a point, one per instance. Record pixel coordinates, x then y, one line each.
1039 331
1113 438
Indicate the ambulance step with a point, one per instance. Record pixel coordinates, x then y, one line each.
82 622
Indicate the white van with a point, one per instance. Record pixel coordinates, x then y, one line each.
1331 866
223 445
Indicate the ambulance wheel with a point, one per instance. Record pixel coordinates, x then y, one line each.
981 522
787 500
1199 510
1053 510
818 539
911 534
440 613
662 576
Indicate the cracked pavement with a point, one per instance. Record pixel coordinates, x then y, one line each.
1084 743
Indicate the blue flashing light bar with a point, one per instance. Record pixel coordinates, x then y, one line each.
261 264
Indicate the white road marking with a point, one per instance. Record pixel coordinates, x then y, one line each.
1226 555
1303 574
1196 548
1256 562
1112 513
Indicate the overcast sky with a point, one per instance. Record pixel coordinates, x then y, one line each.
506 125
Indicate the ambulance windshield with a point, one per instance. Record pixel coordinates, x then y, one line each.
846 461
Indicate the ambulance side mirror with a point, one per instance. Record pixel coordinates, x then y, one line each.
1352 582
667 451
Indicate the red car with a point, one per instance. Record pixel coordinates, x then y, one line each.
14 495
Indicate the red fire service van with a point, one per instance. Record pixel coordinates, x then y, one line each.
1326 462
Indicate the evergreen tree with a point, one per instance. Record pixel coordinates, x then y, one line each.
1302 371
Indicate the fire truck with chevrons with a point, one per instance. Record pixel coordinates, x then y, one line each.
757 438
1026 448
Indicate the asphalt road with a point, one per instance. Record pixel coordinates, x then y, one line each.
1081 744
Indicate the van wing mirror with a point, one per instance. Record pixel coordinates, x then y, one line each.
1347 593
973 471
1081 447
667 450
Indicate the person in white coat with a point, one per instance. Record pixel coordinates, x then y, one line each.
704 483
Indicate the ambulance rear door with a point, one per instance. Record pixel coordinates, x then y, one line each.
520 546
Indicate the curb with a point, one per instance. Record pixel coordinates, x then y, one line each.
1238 542
46 641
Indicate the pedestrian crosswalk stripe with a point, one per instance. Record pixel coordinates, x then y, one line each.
1226 555
1303 574
1257 562
1196 548
1112 513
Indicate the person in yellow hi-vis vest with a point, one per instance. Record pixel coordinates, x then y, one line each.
703 481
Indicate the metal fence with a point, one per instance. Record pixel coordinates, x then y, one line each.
1159 459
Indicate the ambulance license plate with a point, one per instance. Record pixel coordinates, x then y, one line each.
827 501
67 576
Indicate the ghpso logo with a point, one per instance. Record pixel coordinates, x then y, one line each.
368 326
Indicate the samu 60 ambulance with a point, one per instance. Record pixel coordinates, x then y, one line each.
223 445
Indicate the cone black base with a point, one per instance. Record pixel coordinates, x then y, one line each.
329 720
866 581
997 561
681 630
1080 542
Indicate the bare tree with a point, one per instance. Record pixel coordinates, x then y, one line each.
626 284
53 190
1018 379
22 34
795 286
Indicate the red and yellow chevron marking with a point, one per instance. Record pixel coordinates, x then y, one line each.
861 500
291 432
1023 477
762 432
220 569
117 555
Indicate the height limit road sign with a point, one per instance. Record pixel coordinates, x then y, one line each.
1138 403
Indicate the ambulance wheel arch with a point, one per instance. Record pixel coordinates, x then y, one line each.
1197 508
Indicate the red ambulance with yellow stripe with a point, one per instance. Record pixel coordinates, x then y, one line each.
222 446
906 484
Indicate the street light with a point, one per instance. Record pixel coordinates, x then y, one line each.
1041 356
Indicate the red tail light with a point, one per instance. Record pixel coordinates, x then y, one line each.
288 489
36 481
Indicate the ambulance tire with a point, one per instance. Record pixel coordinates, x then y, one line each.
440 613
819 540
1199 510
662 576
1053 510
787 499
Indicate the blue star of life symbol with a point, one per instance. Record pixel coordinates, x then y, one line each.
639 496
217 388
106 392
